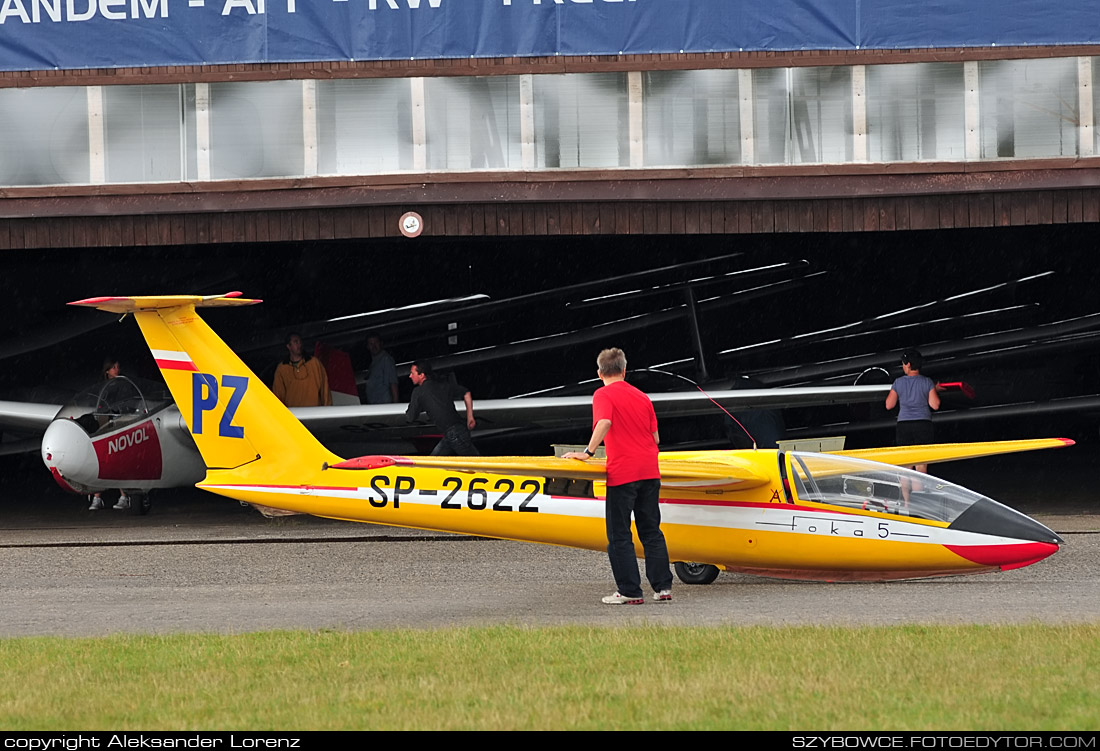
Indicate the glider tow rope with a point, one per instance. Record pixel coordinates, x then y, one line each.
704 393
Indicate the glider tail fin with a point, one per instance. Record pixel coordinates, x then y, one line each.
235 420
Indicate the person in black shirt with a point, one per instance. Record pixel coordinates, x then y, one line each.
437 398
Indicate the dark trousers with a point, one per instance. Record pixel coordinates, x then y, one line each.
639 498
915 433
456 442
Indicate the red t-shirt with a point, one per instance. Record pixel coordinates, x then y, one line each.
631 450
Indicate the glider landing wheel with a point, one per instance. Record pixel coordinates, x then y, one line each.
140 503
696 573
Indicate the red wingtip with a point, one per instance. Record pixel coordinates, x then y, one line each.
372 462
966 389
238 293
95 300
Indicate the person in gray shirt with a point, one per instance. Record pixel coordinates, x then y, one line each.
916 396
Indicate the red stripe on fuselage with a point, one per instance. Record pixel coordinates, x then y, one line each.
247 485
176 365
678 501
783 505
600 499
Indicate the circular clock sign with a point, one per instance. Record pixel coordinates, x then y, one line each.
411 224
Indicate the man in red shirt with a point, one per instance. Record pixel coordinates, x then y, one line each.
623 417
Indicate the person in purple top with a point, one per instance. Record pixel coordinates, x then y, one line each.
916 396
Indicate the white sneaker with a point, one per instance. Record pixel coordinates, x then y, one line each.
123 503
97 503
618 599
665 595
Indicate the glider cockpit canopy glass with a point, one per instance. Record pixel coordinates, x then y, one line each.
856 483
110 405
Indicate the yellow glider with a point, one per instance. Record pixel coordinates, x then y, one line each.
788 514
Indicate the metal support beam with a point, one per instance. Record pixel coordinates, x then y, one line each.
309 127
696 338
527 121
419 126
1086 144
97 152
744 95
859 113
202 131
972 112
637 119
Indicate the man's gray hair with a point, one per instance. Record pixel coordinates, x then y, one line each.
611 362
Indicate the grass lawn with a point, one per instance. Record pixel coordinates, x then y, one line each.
503 678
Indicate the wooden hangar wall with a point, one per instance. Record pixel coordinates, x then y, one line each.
990 185
77 222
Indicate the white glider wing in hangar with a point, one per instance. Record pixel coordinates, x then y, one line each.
27 416
152 448
24 418
542 412
557 411
106 446
382 421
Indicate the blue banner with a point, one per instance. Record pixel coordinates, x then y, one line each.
69 34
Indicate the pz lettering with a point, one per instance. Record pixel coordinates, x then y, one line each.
204 398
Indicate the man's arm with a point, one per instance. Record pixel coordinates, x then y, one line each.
891 399
470 421
598 434
413 411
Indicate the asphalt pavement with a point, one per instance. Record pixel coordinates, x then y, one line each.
199 562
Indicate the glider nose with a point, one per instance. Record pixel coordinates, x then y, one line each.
988 517
67 452
1023 540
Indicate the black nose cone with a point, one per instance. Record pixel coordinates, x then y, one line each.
988 517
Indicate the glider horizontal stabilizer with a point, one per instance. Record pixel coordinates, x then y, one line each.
158 302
